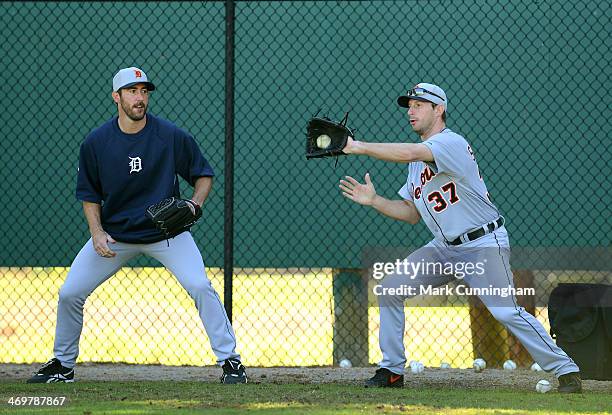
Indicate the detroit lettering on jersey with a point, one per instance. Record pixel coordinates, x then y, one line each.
126 173
449 193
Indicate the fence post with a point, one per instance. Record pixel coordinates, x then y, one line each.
350 316
228 226
488 335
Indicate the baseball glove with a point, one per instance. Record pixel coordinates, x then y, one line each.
172 216
326 138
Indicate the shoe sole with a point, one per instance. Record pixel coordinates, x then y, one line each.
573 390
51 381
234 380
60 381
393 385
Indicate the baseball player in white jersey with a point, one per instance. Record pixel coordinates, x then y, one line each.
445 188
127 164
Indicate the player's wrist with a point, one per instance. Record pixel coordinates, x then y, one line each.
358 147
373 202
96 231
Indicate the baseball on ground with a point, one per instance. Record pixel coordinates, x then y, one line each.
417 367
543 386
536 367
509 365
479 365
345 363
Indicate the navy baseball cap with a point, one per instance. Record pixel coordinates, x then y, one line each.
424 92
131 76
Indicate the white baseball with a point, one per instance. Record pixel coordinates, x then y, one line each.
479 365
445 365
323 141
345 363
509 365
536 367
417 367
543 386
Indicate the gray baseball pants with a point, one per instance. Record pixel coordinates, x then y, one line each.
179 255
494 250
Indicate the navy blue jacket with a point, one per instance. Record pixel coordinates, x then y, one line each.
126 173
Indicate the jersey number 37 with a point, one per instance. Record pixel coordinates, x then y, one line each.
437 197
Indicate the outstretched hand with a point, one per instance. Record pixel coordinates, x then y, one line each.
364 194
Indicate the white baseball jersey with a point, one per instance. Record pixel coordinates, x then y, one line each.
449 193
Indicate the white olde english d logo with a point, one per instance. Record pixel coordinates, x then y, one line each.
135 164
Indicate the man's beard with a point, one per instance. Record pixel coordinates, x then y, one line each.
130 111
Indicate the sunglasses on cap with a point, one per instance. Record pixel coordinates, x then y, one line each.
415 92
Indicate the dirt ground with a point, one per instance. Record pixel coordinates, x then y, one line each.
432 377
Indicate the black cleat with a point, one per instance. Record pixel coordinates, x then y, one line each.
384 378
570 383
52 372
233 372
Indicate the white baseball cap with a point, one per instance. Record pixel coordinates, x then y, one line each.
424 92
131 76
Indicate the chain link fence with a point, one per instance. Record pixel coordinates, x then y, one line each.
527 85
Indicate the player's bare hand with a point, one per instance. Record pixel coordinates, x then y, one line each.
100 242
364 194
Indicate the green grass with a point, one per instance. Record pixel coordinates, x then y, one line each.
269 399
